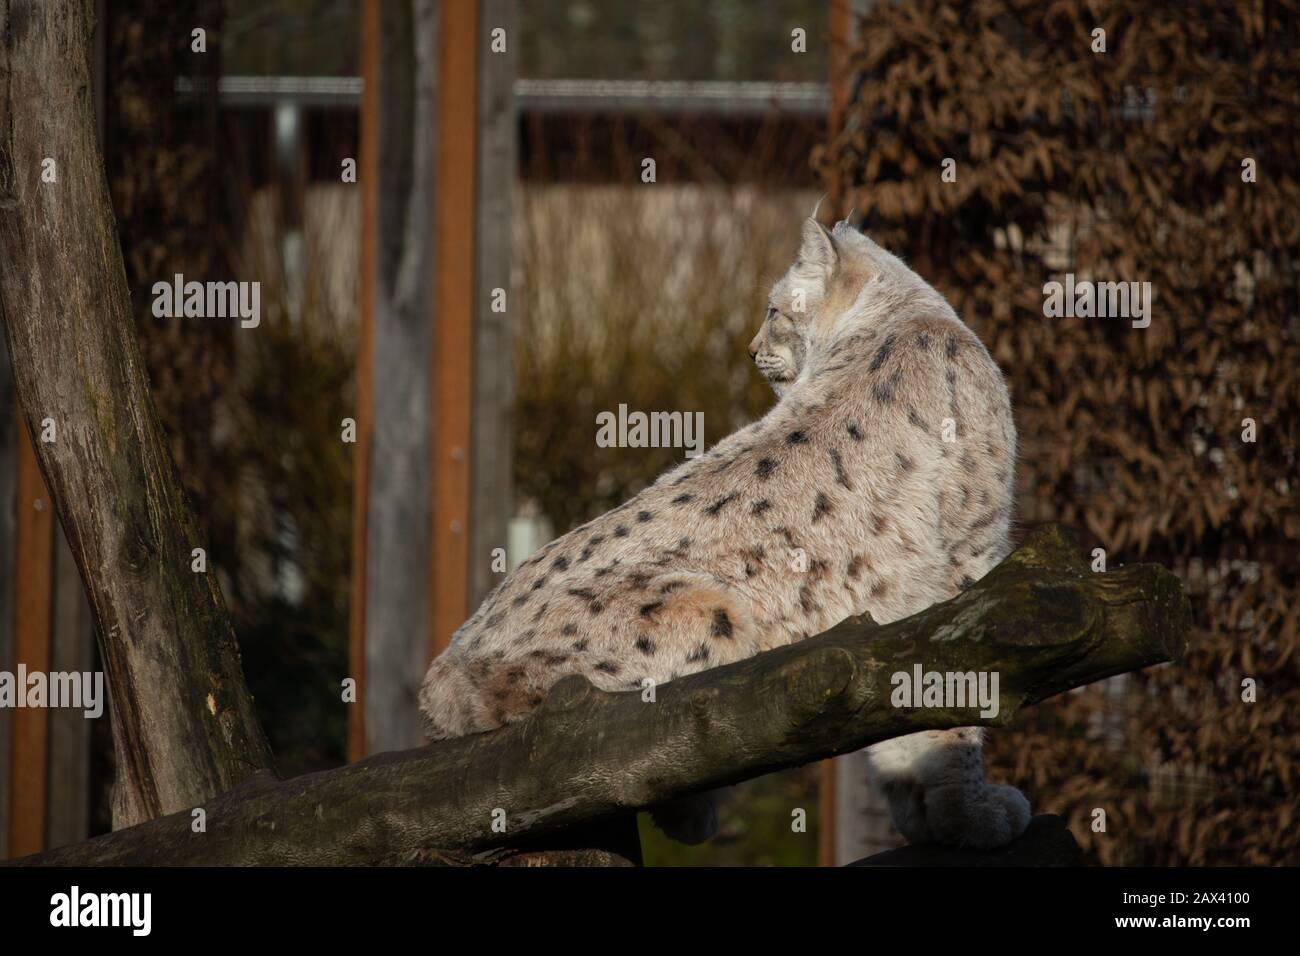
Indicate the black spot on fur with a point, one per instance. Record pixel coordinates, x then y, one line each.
549 659
643 516
620 532
560 564
840 475
539 583
923 340
822 507
580 645
672 586
682 499
806 602
854 431
496 619
607 667
648 610
569 630
760 506
966 582
914 418
905 464
796 438
587 594
882 353
645 645
722 626
713 509
765 468
520 601
700 653
885 391
638 579
952 347
855 566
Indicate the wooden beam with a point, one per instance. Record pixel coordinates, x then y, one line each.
33 587
72 638
9 427
837 58
453 354
368 174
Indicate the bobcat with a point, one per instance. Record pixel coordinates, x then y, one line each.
850 469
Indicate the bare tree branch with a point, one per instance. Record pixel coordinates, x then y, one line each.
1041 619
183 720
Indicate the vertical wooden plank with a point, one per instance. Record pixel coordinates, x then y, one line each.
837 57
399 141
368 163
454 245
8 474
33 581
71 651
491 458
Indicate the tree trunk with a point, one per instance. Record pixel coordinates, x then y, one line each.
1040 619
183 720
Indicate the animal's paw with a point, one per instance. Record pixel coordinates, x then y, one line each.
982 819
689 820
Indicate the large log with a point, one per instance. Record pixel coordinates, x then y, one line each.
183 721
1040 619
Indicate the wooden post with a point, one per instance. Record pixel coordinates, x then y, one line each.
492 455
389 642
453 351
9 426
368 174
33 586
72 638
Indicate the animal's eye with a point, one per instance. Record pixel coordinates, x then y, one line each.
771 314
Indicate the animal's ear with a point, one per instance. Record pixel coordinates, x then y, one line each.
817 250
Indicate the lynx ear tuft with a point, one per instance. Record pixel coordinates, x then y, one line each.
817 249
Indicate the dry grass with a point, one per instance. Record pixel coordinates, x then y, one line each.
647 296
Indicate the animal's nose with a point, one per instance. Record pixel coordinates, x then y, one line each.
753 348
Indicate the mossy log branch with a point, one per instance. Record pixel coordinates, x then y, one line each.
183 721
1041 619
